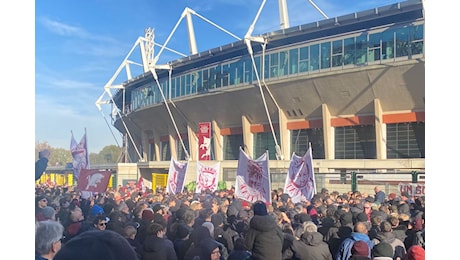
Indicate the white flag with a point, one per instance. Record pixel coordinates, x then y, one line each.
176 177
300 181
207 177
79 154
253 178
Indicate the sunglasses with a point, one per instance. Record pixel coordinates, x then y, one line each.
44 200
103 224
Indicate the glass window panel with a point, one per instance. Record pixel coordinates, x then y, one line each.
267 66
165 151
225 75
300 140
361 49
349 51
274 65
232 144
180 150
402 42
195 81
374 47
248 71
304 59
293 61
212 78
182 86
284 61
355 142
325 55
388 43
314 57
151 152
337 53
218 76
406 140
262 142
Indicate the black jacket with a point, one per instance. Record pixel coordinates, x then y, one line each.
264 238
40 167
158 248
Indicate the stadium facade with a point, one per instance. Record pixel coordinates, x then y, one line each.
352 87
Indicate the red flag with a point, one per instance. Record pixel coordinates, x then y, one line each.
140 183
204 141
93 180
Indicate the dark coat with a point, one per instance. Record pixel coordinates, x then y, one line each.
311 247
158 248
40 167
224 238
264 238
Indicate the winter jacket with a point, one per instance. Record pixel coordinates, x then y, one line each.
158 248
264 238
311 247
344 251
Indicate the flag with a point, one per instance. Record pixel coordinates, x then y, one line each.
300 182
207 177
93 180
79 154
176 177
204 141
253 178
140 184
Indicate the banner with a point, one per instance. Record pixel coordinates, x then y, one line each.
253 178
300 182
204 141
93 180
79 154
207 177
176 177
413 189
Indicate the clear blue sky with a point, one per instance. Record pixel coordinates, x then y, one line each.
80 44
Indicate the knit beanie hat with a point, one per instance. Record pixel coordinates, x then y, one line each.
96 210
382 249
415 252
147 214
260 209
360 248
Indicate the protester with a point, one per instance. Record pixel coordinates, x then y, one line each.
223 226
264 238
48 235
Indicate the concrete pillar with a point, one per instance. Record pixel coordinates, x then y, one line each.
218 141
192 143
285 143
173 146
380 131
328 133
157 145
248 138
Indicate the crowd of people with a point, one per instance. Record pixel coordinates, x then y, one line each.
129 223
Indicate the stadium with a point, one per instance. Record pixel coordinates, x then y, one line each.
352 87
